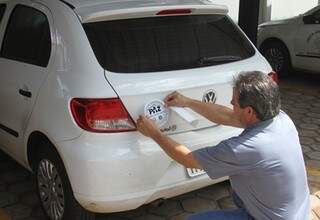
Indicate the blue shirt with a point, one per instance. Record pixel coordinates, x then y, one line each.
266 169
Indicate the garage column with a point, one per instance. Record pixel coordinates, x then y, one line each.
248 18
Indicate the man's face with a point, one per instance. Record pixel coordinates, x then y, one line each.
245 115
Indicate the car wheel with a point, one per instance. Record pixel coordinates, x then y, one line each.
54 188
278 56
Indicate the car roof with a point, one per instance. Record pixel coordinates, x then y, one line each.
313 10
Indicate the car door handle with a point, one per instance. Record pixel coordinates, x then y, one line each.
25 93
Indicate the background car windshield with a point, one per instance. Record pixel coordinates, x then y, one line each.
167 43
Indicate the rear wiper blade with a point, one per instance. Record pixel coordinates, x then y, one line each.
218 59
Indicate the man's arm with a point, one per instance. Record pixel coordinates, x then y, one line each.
216 113
176 151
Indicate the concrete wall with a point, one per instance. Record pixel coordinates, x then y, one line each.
272 9
289 8
233 6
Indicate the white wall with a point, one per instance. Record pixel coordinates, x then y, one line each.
289 8
272 9
233 6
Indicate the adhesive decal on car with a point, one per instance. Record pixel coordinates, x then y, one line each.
156 110
170 128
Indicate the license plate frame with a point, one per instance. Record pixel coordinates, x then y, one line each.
193 172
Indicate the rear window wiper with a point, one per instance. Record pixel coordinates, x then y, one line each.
217 59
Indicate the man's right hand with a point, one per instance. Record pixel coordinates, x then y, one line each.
175 99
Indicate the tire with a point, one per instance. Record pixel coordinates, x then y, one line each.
278 56
54 189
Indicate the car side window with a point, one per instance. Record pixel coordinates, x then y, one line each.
2 10
316 16
27 38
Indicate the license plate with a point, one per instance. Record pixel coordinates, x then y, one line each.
192 172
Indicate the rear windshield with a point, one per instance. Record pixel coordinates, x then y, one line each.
167 43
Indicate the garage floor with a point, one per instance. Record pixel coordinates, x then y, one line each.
300 99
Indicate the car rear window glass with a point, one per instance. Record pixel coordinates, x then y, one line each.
2 10
27 38
167 43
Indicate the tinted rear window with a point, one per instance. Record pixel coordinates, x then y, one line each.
167 43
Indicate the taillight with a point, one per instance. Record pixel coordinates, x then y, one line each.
101 115
274 76
174 12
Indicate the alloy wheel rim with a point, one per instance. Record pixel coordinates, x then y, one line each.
51 190
275 58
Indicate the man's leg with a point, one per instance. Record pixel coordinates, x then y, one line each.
234 214
237 201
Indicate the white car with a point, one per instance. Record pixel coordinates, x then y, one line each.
76 74
292 43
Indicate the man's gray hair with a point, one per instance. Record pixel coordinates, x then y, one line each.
259 91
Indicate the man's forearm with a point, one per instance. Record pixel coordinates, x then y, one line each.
216 113
176 151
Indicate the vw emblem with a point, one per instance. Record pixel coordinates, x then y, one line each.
209 96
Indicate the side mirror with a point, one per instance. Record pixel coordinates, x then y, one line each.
308 19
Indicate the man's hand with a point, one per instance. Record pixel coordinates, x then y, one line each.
176 99
216 113
148 127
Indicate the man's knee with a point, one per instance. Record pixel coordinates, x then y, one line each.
198 216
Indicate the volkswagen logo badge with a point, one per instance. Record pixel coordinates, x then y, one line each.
209 96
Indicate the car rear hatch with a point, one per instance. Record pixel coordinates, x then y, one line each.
150 52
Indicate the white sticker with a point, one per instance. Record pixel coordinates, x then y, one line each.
185 115
155 110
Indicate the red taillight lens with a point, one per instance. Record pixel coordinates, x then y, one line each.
101 115
174 12
274 76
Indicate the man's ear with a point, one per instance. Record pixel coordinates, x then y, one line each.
251 112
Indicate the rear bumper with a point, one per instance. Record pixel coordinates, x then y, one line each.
134 200
117 172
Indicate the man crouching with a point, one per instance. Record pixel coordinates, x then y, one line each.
265 162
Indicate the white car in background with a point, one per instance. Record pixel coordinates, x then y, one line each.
76 74
292 43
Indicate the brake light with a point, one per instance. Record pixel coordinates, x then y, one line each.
101 115
274 76
174 12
